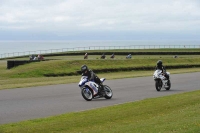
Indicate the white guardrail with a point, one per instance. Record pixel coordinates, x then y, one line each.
50 51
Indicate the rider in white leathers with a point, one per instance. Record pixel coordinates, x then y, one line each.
161 67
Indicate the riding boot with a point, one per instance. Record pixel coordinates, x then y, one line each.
101 89
167 76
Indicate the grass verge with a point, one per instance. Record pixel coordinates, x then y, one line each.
33 74
9 83
72 67
175 113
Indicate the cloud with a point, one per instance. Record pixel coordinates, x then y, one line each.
67 17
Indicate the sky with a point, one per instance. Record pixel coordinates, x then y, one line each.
99 19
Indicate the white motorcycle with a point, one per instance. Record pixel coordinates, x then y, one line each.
161 81
90 89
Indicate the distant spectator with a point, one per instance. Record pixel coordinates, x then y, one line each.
85 56
103 56
112 56
129 56
40 57
32 57
35 58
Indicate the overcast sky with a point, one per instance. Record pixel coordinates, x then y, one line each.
99 19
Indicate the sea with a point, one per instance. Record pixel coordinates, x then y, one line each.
17 48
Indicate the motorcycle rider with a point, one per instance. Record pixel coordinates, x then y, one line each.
161 67
112 56
92 77
103 56
86 56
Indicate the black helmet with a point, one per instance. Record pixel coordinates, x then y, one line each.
84 68
159 62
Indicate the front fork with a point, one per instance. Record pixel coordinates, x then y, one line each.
160 82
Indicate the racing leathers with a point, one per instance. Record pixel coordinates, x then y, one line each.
93 77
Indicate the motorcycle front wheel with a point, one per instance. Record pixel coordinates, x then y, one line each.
158 85
87 94
108 92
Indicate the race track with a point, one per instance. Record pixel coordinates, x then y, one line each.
37 102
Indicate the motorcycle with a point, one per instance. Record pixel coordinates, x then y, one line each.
112 56
161 81
90 89
128 56
85 56
103 57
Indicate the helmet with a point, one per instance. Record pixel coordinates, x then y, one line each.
84 68
159 62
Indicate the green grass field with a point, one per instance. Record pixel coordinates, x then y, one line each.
33 74
170 114
70 67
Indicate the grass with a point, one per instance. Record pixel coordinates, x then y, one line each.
170 114
118 57
33 74
9 83
70 67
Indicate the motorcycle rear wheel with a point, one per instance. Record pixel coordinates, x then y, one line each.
87 94
169 85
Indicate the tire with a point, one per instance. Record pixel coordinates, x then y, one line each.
158 84
169 85
87 94
108 92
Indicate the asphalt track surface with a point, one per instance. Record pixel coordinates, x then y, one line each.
38 102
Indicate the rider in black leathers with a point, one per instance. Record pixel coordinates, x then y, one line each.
103 56
92 77
161 67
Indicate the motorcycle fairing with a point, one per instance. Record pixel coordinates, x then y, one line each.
93 86
102 79
158 74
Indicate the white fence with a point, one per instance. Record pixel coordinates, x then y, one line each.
50 51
